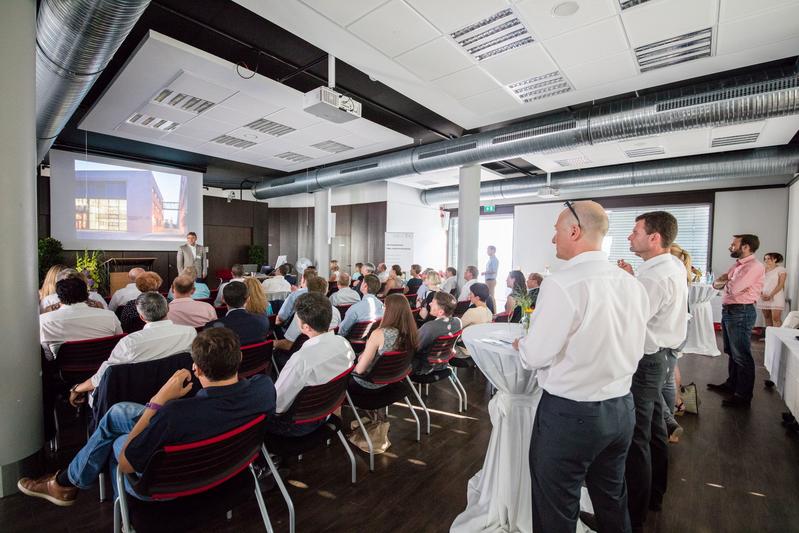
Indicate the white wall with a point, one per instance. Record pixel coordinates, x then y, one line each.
532 237
792 249
406 213
762 212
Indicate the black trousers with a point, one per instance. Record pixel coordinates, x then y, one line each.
576 442
649 446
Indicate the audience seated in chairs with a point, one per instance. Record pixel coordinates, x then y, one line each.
318 285
128 314
470 276
201 290
128 292
534 281
287 309
432 286
238 275
364 270
394 281
129 434
322 357
517 285
51 303
344 295
369 308
415 279
442 307
450 283
256 299
74 320
277 287
186 311
159 338
250 328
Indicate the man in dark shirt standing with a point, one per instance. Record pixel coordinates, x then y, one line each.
129 433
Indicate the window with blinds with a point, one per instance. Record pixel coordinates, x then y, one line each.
693 221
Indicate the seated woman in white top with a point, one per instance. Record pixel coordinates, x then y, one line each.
478 313
518 285
394 280
772 298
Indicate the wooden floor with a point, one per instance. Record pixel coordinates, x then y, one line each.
732 471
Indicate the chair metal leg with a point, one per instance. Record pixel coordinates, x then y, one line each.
54 446
261 505
463 389
274 365
427 389
101 483
418 425
364 433
458 392
123 501
419 397
346 445
282 487
117 518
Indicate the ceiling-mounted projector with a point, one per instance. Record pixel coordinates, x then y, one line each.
328 104
548 192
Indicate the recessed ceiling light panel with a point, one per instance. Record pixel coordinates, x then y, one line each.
627 4
332 146
494 35
645 152
149 121
182 101
675 50
269 127
730 140
233 142
539 87
294 157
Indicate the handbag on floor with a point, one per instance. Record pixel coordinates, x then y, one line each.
690 398
378 433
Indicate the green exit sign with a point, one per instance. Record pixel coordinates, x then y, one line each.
489 209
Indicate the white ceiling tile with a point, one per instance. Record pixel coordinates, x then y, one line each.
608 69
394 28
538 16
322 131
588 43
733 9
767 27
204 128
466 83
232 116
196 86
251 105
452 15
496 99
435 59
655 21
140 131
343 13
356 141
166 112
519 64
182 141
295 119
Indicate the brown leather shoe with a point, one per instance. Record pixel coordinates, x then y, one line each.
48 488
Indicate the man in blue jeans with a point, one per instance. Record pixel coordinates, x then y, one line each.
741 287
129 433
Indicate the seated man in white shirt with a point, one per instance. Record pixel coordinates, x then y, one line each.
51 303
74 320
322 357
160 338
128 292
276 287
450 280
185 310
238 275
344 295
318 285
470 276
382 272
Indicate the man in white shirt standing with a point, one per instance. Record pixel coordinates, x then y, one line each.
492 267
585 340
128 292
323 357
471 278
194 254
663 277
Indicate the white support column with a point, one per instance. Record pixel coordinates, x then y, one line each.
321 221
21 433
468 218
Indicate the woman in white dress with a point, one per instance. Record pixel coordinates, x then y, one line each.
772 299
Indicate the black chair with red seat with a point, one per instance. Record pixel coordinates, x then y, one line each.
313 403
400 290
391 370
437 357
281 357
502 317
359 333
256 359
196 477
332 286
220 311
461 308
342 309
412 300
207 300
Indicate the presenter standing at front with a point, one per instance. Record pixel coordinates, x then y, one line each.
194 254
585 340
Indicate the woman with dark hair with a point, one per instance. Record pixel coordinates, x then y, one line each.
394 280
772 297
518 285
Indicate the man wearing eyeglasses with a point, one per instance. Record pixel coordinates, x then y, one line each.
585 340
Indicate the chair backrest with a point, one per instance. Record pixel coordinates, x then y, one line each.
442 349
501 317
391 367
332 286
207 300
276 305
411 299
342 309
315 402
79 360
256 359
179 470
360 331
220 311
461 308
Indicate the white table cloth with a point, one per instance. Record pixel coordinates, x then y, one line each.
499 496
701 337
781 359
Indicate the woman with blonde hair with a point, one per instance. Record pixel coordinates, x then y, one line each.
433 285
48 285
256 299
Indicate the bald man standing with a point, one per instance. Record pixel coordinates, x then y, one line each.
585 340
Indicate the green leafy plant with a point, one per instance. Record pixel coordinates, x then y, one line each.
525 302
256 254
91 264
51 252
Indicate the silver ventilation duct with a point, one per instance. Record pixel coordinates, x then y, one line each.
75 40
693 107
764 162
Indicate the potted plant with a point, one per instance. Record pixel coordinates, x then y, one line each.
91 264
256 254
51 252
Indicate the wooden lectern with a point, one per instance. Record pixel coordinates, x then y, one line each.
118 268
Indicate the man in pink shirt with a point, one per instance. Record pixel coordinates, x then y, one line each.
186 311
740 287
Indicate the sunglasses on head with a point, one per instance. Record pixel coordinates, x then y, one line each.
570 205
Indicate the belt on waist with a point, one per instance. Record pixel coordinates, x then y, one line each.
735 306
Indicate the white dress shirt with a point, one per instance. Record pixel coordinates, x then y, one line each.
318 361
465 292
124 295
276 284
193 248
587 333
345 296
663 277
382 276
157 340
76 322
51 299
449 284
293 330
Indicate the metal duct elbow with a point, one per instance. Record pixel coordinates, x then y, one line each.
75 40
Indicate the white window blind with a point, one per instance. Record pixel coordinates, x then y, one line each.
693 222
